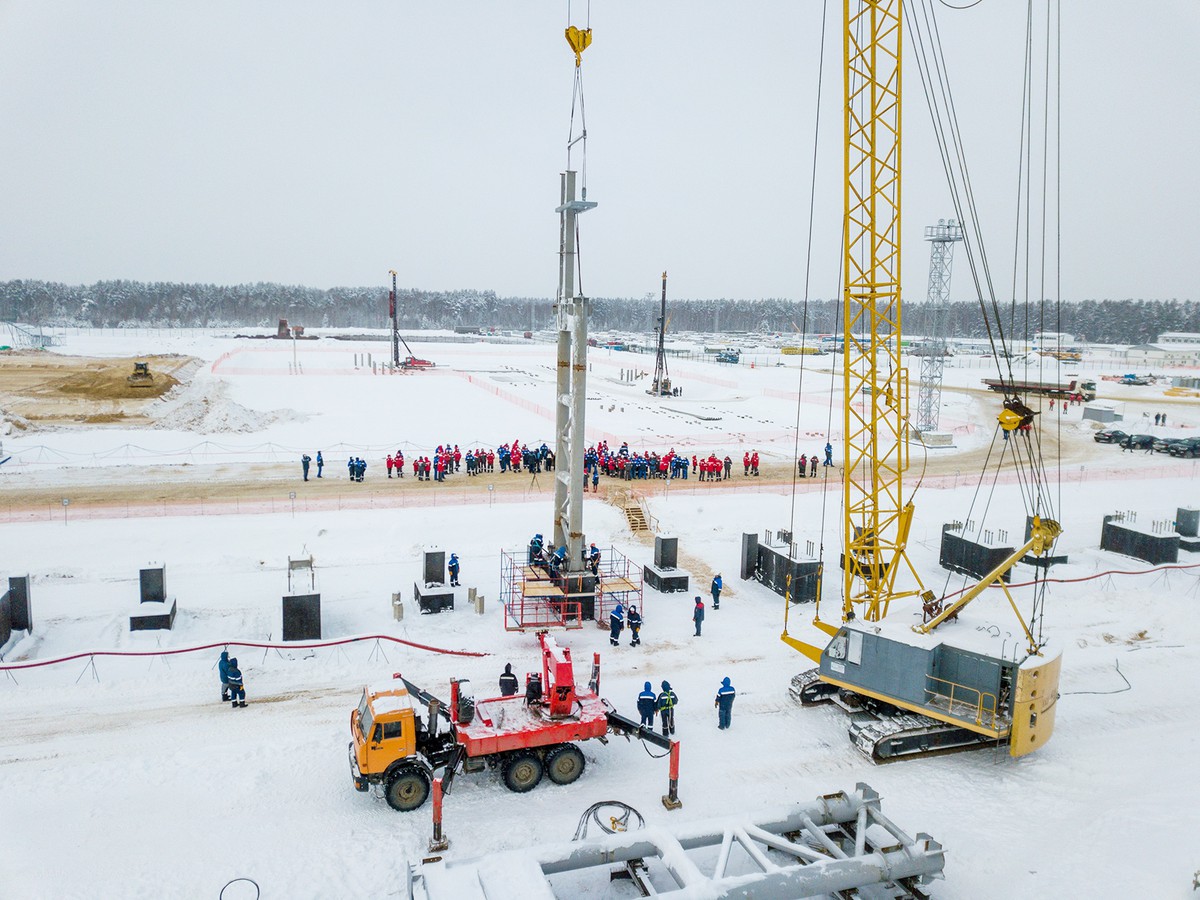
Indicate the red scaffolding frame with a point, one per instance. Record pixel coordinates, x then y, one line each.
536 600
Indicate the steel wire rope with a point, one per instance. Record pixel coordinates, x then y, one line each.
946 133
812 202
931 67
931 63
577 94
1058 191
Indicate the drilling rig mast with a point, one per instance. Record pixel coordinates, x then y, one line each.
661 386
942 237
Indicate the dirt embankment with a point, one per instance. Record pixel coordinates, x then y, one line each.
39 389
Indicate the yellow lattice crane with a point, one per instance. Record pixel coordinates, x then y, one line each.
963 696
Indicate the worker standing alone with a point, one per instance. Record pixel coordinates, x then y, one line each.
698 616
717 584
453 567
724 703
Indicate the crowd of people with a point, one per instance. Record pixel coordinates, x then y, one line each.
600 459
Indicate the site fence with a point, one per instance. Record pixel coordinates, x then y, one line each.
651 489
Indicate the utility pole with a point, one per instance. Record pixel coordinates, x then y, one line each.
942 238
395 323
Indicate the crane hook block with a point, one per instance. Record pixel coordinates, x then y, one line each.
579 41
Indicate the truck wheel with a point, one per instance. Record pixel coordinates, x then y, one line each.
407 790
564 764
522 772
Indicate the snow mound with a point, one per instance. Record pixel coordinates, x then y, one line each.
205 408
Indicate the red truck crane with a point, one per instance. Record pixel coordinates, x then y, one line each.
393 747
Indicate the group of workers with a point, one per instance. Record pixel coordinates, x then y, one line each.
649 703
552 558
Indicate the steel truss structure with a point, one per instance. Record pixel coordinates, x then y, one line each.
839 843
942 238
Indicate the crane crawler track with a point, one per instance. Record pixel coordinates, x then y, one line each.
884 733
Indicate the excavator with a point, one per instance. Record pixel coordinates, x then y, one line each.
910 690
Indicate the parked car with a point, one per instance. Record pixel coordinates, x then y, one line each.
1138 442
1163 445
1109 436
1188 447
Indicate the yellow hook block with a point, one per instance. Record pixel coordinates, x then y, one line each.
579 41
1009 420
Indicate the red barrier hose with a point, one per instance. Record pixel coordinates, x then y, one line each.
307 645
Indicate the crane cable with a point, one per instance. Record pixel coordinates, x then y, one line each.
812 202
812 192
935 83
579 40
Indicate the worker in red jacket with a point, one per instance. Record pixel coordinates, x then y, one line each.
390 464
754 463
399 464
746 463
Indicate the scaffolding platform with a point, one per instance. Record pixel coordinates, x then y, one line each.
536 599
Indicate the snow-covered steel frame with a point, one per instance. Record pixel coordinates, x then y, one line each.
839 842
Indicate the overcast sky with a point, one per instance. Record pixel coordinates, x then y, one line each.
324 143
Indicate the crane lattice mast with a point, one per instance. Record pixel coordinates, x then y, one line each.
942 238
875 411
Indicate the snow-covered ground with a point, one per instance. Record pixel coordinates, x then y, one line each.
124 777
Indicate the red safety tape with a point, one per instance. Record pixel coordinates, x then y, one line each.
253 644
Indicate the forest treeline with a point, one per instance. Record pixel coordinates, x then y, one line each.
116 304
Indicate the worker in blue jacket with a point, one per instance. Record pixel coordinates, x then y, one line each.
634 618
724 703
453 567
647 704
616 622
717 584
698 616
237 689
223 672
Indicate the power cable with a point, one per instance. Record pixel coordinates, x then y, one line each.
1128 686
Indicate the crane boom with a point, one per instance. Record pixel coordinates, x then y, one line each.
875 410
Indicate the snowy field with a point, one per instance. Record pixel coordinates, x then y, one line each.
125 777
